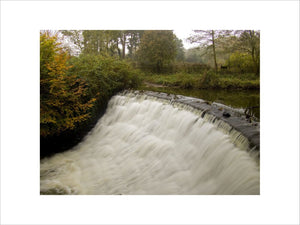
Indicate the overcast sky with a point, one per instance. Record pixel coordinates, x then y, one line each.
183 35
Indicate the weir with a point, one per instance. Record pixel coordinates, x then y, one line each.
155 143
238 121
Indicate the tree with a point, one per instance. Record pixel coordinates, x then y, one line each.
240 62
157 48
102 42
194 55
74 40
179 50
207 38
123 38
249 42
134 42
63 102
95 42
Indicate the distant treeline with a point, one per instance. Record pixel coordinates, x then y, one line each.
160 51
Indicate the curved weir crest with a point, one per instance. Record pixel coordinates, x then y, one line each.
149 145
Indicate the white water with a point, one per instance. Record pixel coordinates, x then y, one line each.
147 146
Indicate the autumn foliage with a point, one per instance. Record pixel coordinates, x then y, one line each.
63 96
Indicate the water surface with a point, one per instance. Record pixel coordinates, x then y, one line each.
248 100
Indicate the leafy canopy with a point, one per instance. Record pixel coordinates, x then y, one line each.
157 47
63 102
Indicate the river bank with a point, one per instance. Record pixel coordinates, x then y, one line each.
205 80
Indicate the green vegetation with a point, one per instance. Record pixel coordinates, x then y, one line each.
71 89
74 90
63 94
81 69
157 49
206 80
234 51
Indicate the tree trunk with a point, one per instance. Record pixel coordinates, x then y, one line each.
214 50
255 61
123 45
254 52
119 51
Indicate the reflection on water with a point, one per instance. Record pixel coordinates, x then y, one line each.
245 99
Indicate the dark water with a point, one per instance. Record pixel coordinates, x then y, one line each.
245 99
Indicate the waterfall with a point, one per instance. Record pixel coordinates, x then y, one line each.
144 145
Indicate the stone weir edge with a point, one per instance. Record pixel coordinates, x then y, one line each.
248 127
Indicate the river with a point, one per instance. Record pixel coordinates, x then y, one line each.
248 100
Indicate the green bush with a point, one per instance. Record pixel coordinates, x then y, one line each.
73 91
64 100
175 67
241 63
105 75
83 88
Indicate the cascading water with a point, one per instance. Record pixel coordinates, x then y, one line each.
145 145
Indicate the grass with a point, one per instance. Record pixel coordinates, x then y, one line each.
207 80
